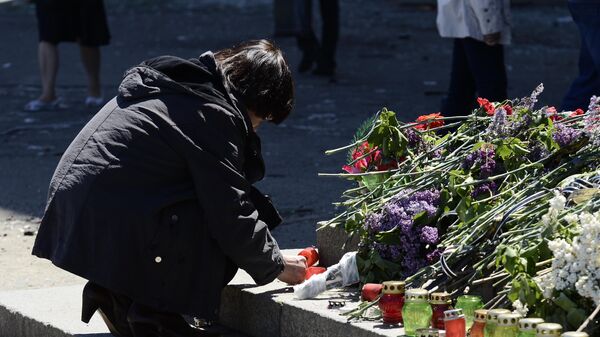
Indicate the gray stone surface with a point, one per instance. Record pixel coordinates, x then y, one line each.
273 311
50 312
332 243
260 311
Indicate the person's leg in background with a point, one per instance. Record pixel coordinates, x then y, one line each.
587 83
461 92
306 39
330 14
48 57
48 61
90 57
488 69
92 32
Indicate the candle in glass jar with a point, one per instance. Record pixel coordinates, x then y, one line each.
491 320
440 302
468 304
391 302
477 330
527 326
417 311
548 330
508 325
455 323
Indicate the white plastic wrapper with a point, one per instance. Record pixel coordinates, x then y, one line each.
342 274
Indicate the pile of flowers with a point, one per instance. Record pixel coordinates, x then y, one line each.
465 205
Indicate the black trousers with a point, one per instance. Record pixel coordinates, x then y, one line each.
587 83
127 318
323 52
478 70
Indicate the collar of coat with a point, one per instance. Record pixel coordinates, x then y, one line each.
200 77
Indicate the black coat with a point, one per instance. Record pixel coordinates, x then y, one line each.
153 198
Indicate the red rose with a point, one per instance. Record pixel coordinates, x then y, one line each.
577 112
489 107
508 109
553 114
435 121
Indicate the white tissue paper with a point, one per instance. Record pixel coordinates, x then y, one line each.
342 274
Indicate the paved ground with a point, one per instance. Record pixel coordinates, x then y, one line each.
389 55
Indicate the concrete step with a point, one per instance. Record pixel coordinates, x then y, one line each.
265 311
273 311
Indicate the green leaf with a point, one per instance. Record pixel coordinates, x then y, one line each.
421 219
391 237
504 151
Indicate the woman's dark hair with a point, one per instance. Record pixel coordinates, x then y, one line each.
257 70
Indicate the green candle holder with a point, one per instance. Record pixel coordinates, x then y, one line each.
468 304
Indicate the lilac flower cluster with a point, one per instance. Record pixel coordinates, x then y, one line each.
482 159
416 142
485 189
414 139
399 213
529 102
592 121
565 135
500 126
537 151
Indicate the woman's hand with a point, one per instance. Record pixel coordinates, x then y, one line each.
294 270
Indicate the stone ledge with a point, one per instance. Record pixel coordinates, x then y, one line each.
261 311
50 312
273 311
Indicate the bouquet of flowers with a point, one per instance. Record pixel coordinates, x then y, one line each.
458 202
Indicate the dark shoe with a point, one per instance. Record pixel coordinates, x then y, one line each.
112 307
147 322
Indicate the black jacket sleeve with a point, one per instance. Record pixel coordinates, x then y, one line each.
266 210
224 194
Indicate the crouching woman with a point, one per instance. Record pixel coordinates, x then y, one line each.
153 201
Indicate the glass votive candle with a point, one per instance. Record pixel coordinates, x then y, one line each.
440 302
455 323
478 328
491 320
392 301
527 326
468 304
508 325
548 330
417 311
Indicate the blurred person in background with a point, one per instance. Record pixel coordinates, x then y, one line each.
480 29
321 54
153 201
586 14
80 21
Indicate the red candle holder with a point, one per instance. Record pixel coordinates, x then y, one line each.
440 302
455 323
311 255
310 271
392 301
